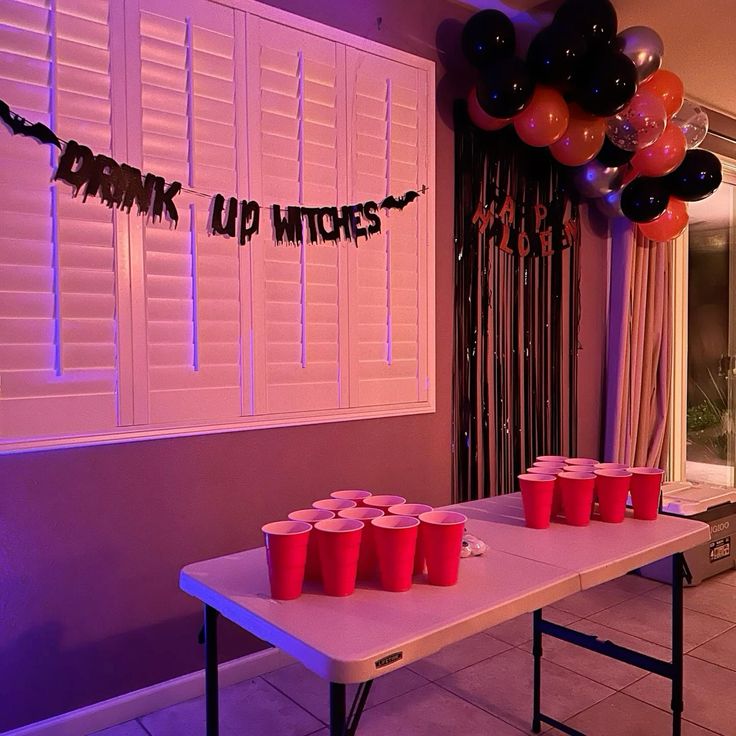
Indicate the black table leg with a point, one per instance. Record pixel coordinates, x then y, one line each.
210 671
678 573
537 651
337 709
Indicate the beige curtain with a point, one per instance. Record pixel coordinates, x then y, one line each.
639 352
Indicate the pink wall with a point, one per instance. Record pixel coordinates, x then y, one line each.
92 539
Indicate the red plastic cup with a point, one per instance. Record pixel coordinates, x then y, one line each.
334 504
442 533
581 461
611 466
612 488
383 502
286 551
312 516
367 562
414 509
645 488
551 459
537 494
339 550
577 496
396 543
548 469
357 496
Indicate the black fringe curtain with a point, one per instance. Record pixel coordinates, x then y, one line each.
516 318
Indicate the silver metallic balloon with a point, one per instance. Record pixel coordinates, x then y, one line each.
692 120
610 204
596 180
644 46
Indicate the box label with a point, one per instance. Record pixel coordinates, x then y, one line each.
389 659
720 550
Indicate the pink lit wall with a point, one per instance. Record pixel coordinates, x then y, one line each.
92 539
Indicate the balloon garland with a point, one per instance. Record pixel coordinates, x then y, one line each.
602 105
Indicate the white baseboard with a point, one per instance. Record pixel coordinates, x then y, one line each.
140 702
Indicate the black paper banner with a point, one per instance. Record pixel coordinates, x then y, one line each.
20 126
122 186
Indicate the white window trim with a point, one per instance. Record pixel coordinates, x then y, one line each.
677 416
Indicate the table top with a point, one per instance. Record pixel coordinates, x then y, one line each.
372 632
598 552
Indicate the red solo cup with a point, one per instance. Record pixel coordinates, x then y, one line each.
611 466
339 550
581 461
413 509
551 459
442 532
312 516
396 543
537 494
577 496
286 551
383 502
367 562
357 496
334 504
645 487
544 469
612 488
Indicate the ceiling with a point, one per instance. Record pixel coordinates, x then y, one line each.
699 39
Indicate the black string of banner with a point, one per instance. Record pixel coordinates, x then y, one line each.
122 186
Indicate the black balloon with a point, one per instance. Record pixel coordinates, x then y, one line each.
505 88
644 199
697 177
593 20
487 37
606 83
612 155
555 54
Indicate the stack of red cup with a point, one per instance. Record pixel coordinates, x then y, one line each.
355 535
576 483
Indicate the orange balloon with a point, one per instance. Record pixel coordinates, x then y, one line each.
664 155
544 120
669 224
480 117
582 139
668 87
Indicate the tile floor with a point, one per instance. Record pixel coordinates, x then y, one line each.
483 685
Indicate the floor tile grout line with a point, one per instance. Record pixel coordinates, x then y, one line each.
605 608
288 697
480 707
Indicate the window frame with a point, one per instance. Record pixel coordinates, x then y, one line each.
126 290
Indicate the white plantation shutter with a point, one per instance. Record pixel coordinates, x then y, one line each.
186 290
297 140
388 134
57 279
112 325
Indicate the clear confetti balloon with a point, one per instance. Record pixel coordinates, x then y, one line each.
692 120
644 46
639 124
596 180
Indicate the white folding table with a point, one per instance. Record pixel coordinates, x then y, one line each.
372 632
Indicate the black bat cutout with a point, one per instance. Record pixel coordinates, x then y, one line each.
20 126
398 203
